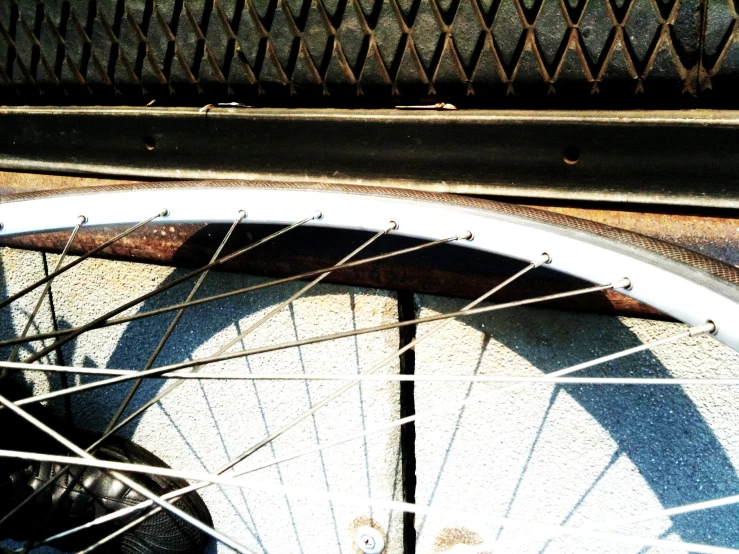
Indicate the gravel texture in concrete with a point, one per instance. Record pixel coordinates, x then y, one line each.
201 426
565 455
19 269
573 454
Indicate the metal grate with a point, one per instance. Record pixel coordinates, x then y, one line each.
362 50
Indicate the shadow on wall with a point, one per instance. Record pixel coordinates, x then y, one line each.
216 320
28 267
224 409
659 429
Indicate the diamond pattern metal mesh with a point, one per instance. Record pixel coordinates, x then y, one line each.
487 50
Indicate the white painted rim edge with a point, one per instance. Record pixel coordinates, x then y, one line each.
689 301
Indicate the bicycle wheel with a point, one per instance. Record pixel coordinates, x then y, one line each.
289 333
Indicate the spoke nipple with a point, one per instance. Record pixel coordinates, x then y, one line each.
624 283
543 259
708 327
466 235
164 213
242 214
392 226
81 220
318 214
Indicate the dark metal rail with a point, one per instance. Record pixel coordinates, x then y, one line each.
684 158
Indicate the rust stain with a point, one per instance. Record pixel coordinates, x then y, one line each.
365 521
450 537
11 182
713 236
192 245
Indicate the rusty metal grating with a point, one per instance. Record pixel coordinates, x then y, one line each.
67 50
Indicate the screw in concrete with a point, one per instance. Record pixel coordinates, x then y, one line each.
369 540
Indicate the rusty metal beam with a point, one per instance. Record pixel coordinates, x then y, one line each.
466 274
678 158
712 233
715 235
13 182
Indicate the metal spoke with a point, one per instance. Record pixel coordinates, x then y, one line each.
237 471
543 530
471 311
544 258
256 324
134 317
393 377
640 381
518 383
693 331
114 427
233 355
73 333
80 221
301 342
159 289
79 260
129 396
122 478
172 326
